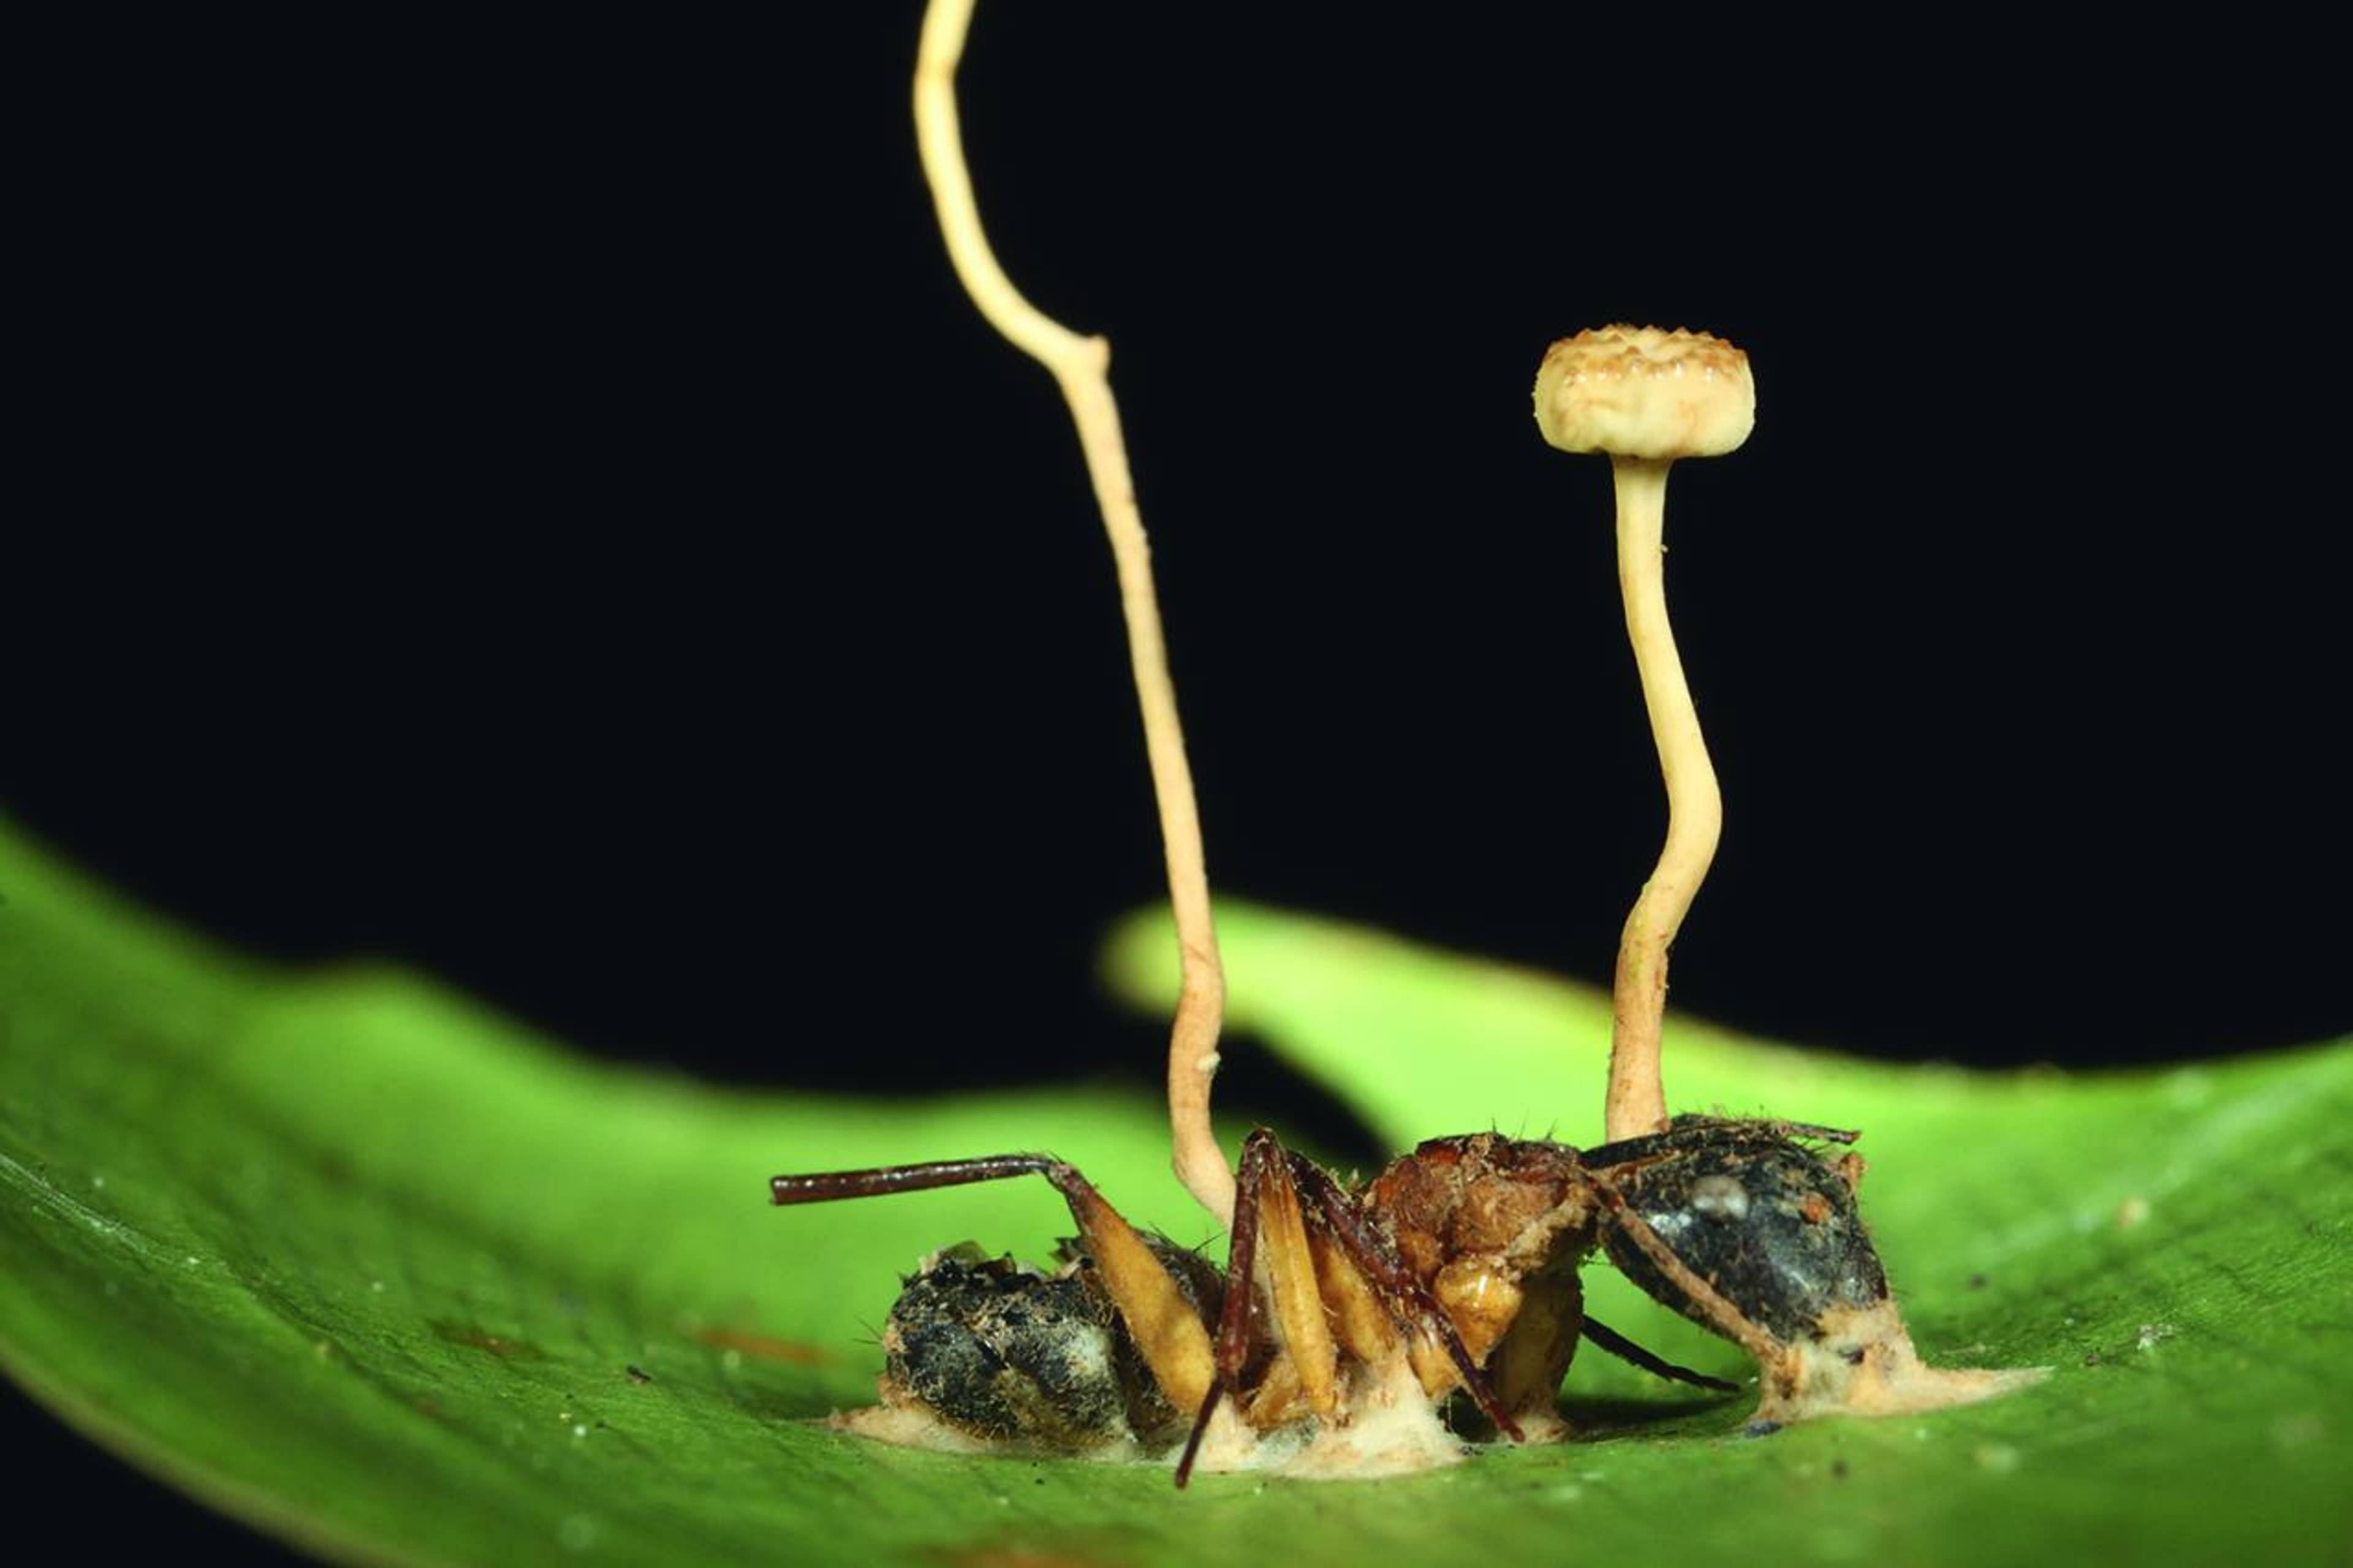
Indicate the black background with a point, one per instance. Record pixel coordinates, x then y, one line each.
541 508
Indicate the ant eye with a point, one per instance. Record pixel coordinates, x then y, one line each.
1769 1223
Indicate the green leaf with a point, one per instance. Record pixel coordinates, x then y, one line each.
2176 1244
350 1257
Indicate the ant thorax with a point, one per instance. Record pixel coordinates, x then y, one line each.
1494 1227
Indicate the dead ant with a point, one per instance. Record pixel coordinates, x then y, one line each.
1458 1262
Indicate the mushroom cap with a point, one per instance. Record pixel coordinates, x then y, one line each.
1642 391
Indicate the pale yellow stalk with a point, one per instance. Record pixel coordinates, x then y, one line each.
1648 397
1637 1101
1078 365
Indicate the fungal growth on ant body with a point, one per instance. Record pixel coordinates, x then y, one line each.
1358 1328
1649 398
1344 1316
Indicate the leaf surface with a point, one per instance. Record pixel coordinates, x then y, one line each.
352 1258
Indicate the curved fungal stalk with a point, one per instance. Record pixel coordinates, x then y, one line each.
1637 1102
1080 365
1648 397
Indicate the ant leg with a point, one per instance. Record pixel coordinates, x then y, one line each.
1754 1126
1290 1278
1167 1332
1808 1130
1363 1324
1266 1210
1606 1338
1367 1249
826 1186
1689 1132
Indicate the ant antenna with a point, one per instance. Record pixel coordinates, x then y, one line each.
1080 365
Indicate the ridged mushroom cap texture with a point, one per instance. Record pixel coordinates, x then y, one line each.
1644 391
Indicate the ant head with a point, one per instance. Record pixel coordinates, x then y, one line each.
1747 1206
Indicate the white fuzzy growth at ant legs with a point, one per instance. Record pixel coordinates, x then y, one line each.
908 1423
1863 1364
1392 1429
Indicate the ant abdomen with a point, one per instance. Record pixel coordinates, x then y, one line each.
1003 1352
1766 1221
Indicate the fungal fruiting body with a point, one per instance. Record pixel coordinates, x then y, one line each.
1080 365
1763 1240
1349 1314
1640 391
1648 398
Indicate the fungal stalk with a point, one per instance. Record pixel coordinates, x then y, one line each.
1648 397
1080 365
